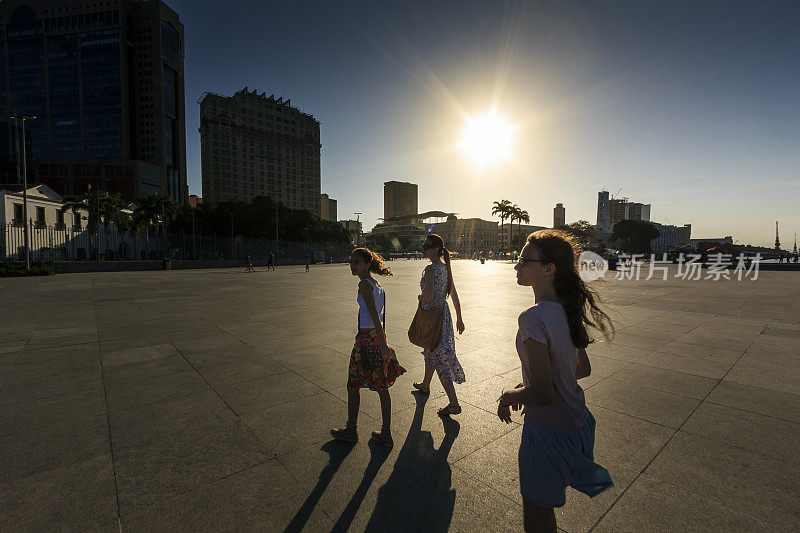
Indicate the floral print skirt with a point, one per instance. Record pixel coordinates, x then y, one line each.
368 367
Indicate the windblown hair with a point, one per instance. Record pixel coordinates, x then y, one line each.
438 243
579 301
375 261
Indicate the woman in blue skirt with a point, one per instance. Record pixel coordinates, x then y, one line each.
557 448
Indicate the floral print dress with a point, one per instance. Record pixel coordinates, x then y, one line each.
443 357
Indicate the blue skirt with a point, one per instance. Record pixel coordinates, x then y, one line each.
552 459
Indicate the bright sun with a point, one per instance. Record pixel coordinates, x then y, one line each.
487 139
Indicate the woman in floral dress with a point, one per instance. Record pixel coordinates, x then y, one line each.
436 285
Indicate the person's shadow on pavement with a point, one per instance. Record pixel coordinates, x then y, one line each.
378 455
418 495
338 452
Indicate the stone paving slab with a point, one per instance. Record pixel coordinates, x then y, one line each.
201 400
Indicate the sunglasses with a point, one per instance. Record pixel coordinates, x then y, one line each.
523 260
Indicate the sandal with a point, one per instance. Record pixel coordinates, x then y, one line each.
449 410
420 387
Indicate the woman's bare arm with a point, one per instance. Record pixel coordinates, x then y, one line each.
457 307
365 290
583 369
540 391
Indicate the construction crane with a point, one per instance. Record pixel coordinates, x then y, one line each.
615 195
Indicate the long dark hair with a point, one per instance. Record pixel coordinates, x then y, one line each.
438 243
375 261
579 301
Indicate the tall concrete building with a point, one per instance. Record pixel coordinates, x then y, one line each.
637 211
327 208
355 228
618 211
559 216
400 199
603 214
612 210
105 82
684 234
258 145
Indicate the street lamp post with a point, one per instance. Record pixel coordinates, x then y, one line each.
358 232
17 119
276 219
231 234
194 242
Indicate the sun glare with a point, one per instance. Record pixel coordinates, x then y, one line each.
487 139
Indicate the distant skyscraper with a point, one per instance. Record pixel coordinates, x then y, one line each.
256 145
684 234
105 81
637 211
399 199
559 216
603 213
327 207
777 240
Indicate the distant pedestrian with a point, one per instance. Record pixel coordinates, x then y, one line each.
248 262
373 364
437 285
307 266
557 447
271 262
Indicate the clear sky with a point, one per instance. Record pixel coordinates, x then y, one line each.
690 106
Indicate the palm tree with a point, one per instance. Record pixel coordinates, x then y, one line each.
154 209
140 221
76 205
513 213
522 216
110 212
92 203
501 209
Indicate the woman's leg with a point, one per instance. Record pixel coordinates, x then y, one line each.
450 389
426 380
353 404
537 518
386 410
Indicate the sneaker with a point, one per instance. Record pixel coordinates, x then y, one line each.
348 434
384 439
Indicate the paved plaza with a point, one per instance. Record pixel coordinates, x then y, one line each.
202 400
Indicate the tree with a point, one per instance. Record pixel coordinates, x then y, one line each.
502 209
102 208
152 209
110 212
634 235
583 231
513 212
522 216
74 204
